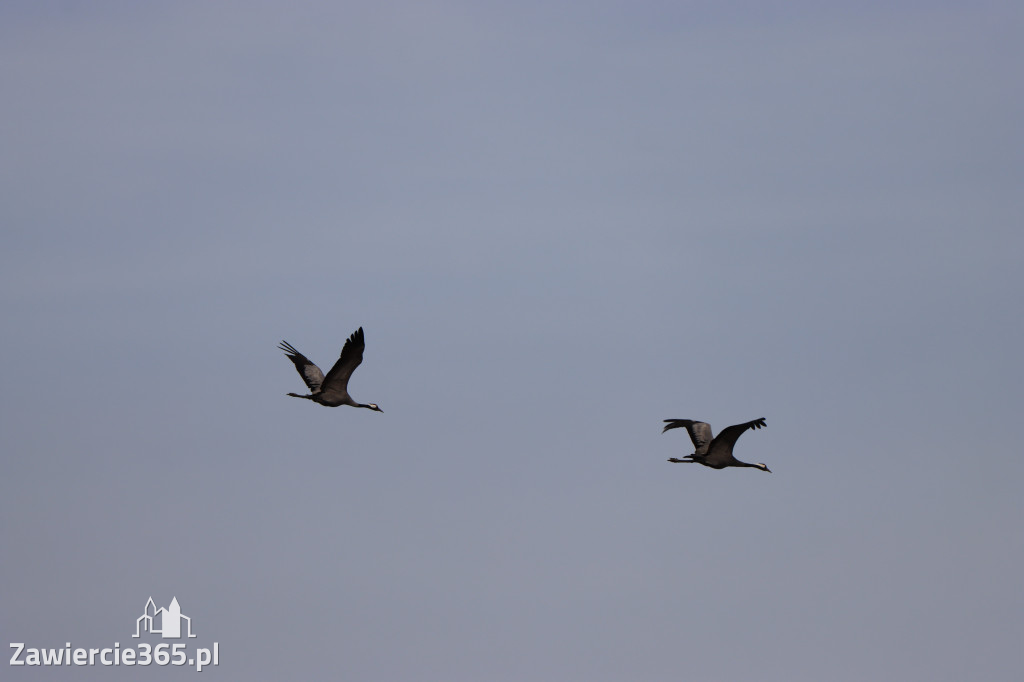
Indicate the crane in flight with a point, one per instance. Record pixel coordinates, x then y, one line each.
330 390
711 451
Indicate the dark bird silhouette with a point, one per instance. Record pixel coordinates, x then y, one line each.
331 390
714 452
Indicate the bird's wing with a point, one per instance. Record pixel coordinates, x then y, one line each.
309 372
721 447
351 356
700 433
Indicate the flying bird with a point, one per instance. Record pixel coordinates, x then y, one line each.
331 390
710 451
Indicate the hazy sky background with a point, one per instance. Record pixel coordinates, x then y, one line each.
559 223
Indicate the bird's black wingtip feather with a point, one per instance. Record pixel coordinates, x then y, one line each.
672 424
289 349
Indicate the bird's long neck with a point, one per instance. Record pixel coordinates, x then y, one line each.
762 467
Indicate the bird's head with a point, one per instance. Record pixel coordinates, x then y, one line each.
374 407
763 467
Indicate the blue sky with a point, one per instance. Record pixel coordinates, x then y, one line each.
558 226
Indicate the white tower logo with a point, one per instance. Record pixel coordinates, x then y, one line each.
170 620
